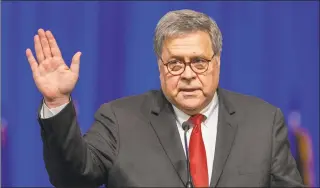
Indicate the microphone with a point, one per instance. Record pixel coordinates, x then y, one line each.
186 126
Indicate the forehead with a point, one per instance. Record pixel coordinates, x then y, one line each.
196 43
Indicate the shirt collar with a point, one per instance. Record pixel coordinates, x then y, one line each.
207 111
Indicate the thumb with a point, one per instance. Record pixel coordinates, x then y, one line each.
75 63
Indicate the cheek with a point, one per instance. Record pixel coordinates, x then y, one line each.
209 82
171 83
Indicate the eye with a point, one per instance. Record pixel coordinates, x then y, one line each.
175 65
175 61
199 60
199 63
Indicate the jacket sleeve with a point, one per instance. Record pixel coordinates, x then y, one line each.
76 160
284 171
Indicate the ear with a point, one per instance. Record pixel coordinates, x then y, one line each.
160 70
159 64
217 58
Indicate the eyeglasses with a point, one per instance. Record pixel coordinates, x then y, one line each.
177 66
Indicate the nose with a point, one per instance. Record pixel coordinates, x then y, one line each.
188 73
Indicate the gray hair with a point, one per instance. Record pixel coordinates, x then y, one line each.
179 22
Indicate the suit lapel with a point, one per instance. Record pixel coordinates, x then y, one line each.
227 128
163 121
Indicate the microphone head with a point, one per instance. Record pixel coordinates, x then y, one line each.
186 125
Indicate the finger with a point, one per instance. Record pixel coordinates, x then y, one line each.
44 44
75 64
32 61
38 48
53 44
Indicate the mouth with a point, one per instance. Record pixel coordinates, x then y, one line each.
188 90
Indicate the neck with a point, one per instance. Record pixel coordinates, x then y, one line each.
193 111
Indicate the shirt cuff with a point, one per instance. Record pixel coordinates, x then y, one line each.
47 112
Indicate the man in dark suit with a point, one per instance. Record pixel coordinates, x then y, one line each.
234 140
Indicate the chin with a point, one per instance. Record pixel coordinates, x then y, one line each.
190 104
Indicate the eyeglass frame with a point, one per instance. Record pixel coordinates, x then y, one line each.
188 63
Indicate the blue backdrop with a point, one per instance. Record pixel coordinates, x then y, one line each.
270 50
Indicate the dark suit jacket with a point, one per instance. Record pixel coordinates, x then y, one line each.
134 142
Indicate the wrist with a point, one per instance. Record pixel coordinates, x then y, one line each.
53 103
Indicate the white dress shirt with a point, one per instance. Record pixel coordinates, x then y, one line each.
47 112
208 128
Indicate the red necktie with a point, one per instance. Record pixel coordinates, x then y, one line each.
197 152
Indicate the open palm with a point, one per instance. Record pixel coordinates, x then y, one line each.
54 79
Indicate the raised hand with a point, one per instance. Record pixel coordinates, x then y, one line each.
54 79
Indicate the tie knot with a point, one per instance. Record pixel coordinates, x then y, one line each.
197 120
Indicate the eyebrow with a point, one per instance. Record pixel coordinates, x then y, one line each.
191 57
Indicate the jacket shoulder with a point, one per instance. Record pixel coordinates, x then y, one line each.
133 102
242 101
